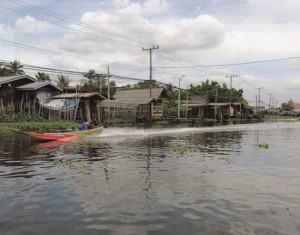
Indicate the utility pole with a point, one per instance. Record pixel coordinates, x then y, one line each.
216 97
187 100
150 68
270 94
108 92
258 109
230 76
179 97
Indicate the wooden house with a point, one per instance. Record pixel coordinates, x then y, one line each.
136 104
200 107
196 106
39 92
7 88
74 106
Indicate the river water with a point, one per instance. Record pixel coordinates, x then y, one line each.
180 180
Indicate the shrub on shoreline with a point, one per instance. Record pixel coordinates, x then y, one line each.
38 126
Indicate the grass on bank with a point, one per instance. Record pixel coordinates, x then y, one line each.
38 126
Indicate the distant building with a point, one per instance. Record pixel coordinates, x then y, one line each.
136 104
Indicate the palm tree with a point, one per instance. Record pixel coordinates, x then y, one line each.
63 81
91 75
42 77
4 71
16 68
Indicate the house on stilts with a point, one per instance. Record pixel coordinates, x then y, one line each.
136 105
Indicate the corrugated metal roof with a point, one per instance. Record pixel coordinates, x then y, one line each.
77 95
121 103
210 104
132 94
9 79
37 85
200 99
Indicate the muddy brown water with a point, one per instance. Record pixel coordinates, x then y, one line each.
179 180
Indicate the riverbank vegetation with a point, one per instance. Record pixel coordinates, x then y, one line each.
38 126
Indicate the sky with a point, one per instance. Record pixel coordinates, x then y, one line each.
256 40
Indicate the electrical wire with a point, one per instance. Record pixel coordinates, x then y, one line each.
73 29
63 54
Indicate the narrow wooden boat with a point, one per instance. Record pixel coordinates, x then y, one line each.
63 135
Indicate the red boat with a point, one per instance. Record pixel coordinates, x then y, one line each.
63 135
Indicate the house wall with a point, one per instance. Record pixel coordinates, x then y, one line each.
8 93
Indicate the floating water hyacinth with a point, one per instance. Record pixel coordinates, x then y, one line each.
264 145
70 164
180 149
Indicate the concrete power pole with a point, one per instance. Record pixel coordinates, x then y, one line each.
270 94
258 109
178 112
150 75
216 98
108 92
230 76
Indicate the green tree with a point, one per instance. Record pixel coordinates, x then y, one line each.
171 94
63 81
91 75
16 68
209 87
42 77
112 87
4 71
145 84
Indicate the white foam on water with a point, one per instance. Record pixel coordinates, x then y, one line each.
138 133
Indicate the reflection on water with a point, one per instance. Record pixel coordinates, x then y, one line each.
137 183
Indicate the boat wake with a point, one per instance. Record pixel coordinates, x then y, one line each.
141 133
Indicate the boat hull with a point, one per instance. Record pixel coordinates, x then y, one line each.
64 135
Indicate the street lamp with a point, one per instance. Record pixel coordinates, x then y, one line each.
179 97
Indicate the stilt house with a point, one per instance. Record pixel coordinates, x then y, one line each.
136 104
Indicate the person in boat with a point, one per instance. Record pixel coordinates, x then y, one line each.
84 125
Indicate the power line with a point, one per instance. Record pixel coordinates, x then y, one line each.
53 14
63 54
77 30
234 64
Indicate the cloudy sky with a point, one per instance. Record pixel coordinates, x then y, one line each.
257 40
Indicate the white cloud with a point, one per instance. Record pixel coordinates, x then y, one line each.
120 3
5 31
31 25
155 6
203 32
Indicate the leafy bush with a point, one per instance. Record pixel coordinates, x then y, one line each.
9 115
38 126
